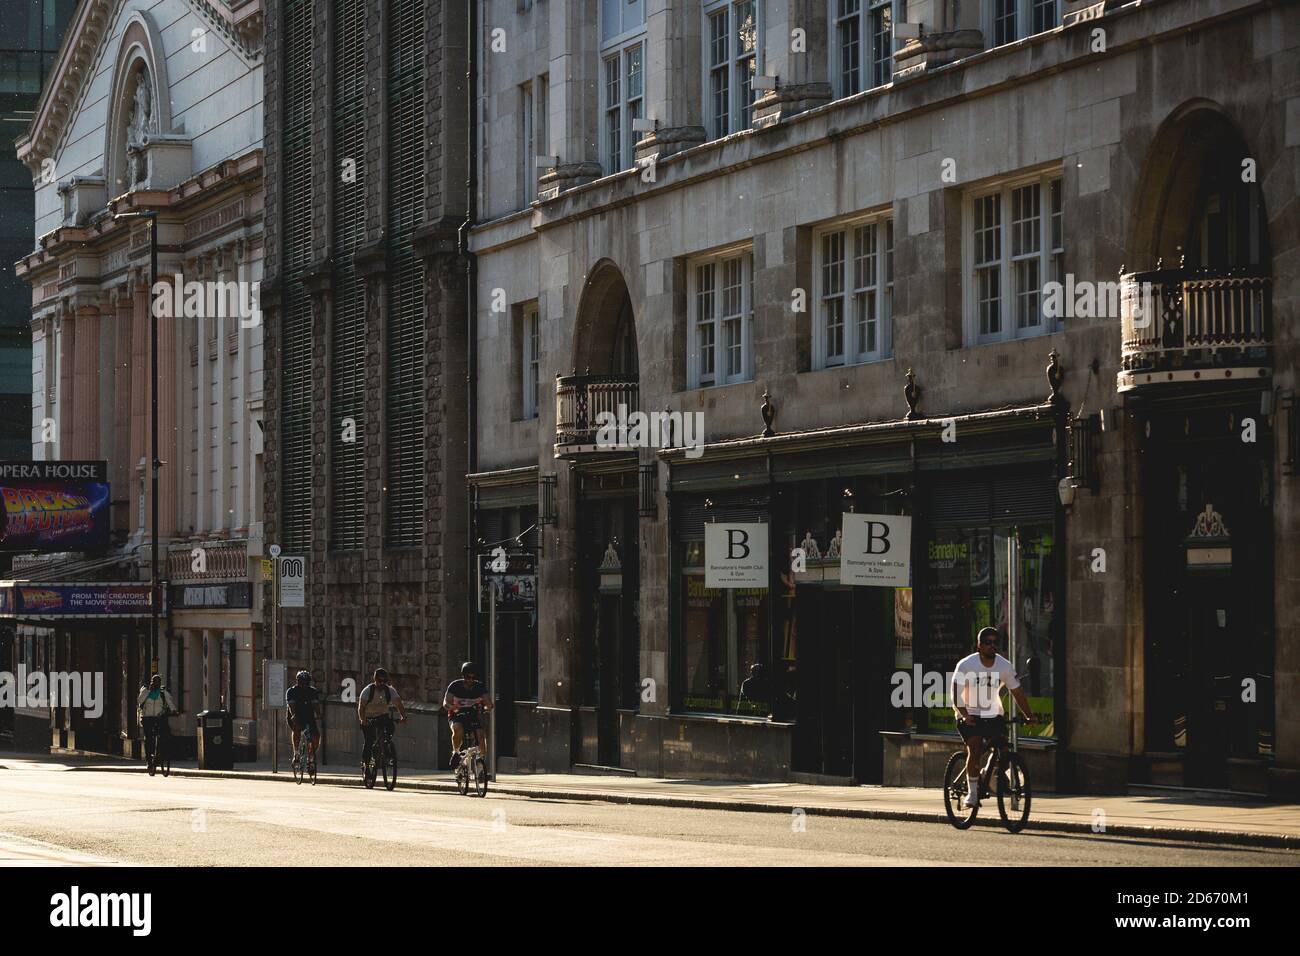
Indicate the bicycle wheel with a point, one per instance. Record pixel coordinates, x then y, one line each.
368 772
165 756
311 767
390 767
462 777
151 756
1014 795
954 792
299 764
480 777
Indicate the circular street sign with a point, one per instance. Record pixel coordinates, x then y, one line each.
275 550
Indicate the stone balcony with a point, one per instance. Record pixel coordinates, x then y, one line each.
581 403
1184 326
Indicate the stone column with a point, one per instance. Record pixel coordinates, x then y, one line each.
202 413
86 388
67 372
120 462
221 326
168 399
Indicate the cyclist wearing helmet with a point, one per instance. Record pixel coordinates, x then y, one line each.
373 706
303 702
461 702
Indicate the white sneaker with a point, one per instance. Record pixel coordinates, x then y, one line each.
972 800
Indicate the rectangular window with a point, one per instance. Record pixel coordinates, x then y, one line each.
1004 21
848 33
543 122
624 84
613 113
731 36
863 48
528 362
855 293
882 42
527 144
719 72
1011 20
721 304
1015 245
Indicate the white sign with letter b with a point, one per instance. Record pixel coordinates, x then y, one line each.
735 555
877 550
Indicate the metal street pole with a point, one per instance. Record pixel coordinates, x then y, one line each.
1013 617
275 649
154 596
492 682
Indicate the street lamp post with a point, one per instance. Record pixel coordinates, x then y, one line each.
155 602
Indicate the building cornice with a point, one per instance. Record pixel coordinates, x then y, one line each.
205 186
991 72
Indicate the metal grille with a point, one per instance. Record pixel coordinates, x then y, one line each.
348 344
296 242
404 511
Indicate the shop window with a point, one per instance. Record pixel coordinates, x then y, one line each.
967 571
1014 245
854 293
724 636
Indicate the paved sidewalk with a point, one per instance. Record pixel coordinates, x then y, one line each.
1244 822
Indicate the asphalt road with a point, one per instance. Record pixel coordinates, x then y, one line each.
51 815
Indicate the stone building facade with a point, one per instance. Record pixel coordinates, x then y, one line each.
364 302
829 229
153 107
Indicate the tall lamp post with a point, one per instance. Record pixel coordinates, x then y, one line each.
155 602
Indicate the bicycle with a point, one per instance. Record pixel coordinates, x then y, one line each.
1003 767
383 757
304 764
472 762
157 754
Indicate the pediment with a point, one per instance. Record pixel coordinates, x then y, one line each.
239 23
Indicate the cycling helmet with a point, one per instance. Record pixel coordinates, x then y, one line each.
302 676
468 668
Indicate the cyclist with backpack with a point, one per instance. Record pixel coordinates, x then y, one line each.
373 706
153 705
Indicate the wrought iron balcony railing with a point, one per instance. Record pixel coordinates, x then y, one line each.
1183 326
581 405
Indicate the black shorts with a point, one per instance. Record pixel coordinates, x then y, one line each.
301 725
995 727
467 719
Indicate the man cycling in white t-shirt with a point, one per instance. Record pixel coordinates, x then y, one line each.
977 683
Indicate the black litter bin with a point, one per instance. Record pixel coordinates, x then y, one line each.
216 745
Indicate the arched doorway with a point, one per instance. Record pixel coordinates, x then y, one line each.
1200 380
607 569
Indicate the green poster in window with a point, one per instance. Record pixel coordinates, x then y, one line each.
980 616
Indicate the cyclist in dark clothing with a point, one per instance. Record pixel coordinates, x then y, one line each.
462 702
303 701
